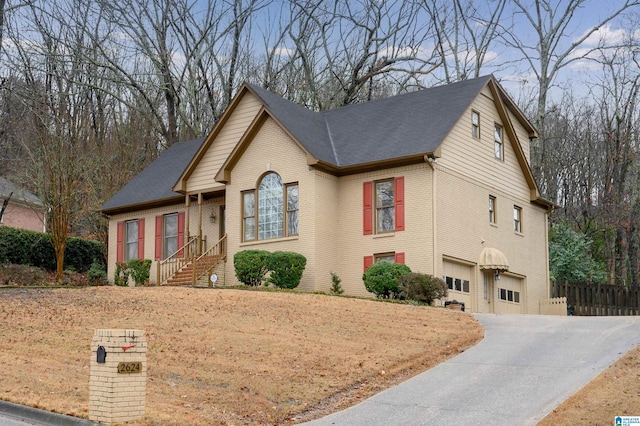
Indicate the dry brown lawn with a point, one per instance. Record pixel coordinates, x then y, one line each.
615 392
223 356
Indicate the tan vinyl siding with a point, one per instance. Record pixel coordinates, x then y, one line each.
523 137
476 158
202 178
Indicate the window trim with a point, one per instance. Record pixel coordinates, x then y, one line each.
286 186
453 282
475 127
399 257
508 296
121 239
493 217
378 208
131 240
498 144
369 219
517 219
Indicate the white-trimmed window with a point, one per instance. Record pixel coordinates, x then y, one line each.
131 240
385 206
492 209
475 124
170 234
517 219
498 142
263 209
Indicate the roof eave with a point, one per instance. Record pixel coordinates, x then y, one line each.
373 165
142 206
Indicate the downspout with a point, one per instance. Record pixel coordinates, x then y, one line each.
431 161
200 199
187 204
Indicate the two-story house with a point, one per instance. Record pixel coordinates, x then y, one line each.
438 179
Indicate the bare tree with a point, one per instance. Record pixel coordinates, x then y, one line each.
465 34
551 21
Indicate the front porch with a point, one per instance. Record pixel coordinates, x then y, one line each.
197 260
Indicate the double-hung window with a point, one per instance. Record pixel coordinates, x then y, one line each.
130 240
475 124
169 235
170 240
271 210
391 257
492 209
383 206
498 143
517 219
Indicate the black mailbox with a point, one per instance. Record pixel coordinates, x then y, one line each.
101 355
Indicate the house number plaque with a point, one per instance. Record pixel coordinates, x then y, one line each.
129 367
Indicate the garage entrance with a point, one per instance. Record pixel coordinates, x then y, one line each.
508 295
459 279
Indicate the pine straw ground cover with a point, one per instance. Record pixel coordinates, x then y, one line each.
223 356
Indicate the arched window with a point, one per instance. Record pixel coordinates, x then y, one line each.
275 215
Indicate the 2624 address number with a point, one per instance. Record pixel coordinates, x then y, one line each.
129 367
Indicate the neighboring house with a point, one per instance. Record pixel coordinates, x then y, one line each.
438 179
24 210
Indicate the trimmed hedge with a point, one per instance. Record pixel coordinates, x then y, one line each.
381 279
250 266
286 268
24 247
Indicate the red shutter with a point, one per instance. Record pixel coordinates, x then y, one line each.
399 203
140 239
158 236
400 258
367 210
368 261
181 233
120 243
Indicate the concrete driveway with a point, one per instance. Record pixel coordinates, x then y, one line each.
524 367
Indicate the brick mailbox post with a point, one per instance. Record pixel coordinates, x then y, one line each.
118 377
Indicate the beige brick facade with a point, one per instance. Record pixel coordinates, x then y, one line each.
117 397
445 201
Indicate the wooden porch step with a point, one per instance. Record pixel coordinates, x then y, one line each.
185 275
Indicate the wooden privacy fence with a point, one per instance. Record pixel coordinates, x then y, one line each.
599 299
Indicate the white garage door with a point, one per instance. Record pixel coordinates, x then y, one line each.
458 277
509 296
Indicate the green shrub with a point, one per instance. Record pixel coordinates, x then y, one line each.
381 279
24 247
250 266
421 287
336 288
97 275
121 276
286 268
139 270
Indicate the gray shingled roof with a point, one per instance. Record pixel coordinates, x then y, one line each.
394 127
19 194
156 181
400 126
